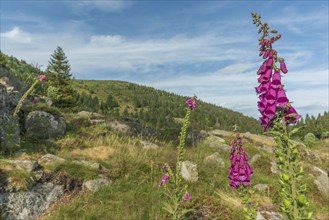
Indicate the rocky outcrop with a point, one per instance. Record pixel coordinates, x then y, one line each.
29 205
195 137
189 171
214 159
217 142
44 125
322 182
27 165
94 185
50 158
147 145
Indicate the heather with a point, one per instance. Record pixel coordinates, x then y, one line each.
136 140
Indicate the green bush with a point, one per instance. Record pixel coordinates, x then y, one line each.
44 107
310 139
325 134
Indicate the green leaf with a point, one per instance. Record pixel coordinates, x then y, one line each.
286 203
168 208
185 211
302 199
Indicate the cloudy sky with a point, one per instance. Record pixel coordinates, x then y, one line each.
207 48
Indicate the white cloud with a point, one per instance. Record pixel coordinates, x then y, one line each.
16 35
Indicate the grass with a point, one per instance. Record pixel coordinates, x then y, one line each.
134 193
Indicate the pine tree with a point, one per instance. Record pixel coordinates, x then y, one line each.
58 72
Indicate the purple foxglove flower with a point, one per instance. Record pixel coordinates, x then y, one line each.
243 177
187 196
191 103
291 115
283 66
246 182
234 159
262 105
261 53
276 80
270 111
249 171
234 184
267 75
282 99
41 78
264 87
262 69
270 54
269 62
266 54
164 179
268 44
270 98
245 156
235 170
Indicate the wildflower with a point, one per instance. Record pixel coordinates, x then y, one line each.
191 103
41 78
164 179
283 66
187 196
240 170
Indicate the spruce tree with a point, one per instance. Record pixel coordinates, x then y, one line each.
58 72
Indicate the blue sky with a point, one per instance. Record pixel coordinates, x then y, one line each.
207 48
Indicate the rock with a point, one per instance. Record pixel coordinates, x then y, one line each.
90 164
221 133
274 167
97 121
147 145
268 149
31 204
217 143
214 159
44 125
94 185
189 171
259 139
322 182
261 187
254 158
120 127
27 165
50 158
269 215
90 115
195 137
260 216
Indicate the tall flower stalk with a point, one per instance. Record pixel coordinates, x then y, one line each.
277 114
240 173
172 181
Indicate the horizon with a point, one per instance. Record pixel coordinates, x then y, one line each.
207 48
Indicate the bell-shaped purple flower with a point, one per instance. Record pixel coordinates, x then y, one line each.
187 196
282 99
191 103
262 105
270 111
270 97
291 115
164 179
283 66
264 87
276 80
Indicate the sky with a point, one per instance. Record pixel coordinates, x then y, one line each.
207 48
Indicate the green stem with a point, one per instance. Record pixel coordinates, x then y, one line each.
20 103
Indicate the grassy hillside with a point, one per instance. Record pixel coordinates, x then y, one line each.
158 108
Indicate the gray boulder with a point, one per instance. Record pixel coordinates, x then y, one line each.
322 182
44 125
221 133
195 137
189 171
261 187
27 165
217 142
274 168
31 204
90 164
94 185
147 145
214 159
50 158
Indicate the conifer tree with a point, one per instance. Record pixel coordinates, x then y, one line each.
60 89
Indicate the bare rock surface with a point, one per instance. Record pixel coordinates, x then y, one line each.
189 171
214 159
94 185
